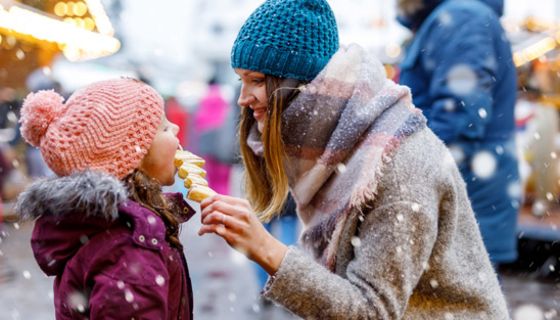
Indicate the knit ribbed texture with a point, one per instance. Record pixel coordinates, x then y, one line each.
107 126
287 38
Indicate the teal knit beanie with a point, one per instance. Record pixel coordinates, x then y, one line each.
287 38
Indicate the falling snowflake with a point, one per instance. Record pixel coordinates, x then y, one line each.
434 283
356 242
238 257
514 190
549 196
128 296
20 54
482 113
484 164
26 274
400 217
77 301
500 150
449 105
528 312
553 155
151 220
482 277
160 280
537 136
120 284
232 297
539 208
461 79
415 207
341 168
457 153
12 117
445 18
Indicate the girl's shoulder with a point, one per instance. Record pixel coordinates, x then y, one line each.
147 228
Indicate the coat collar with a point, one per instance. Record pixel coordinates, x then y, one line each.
71 210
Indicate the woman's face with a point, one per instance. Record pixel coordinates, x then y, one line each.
158 162
253 94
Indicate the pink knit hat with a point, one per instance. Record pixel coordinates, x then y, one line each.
107 126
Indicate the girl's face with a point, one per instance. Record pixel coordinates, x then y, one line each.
253 95
158 163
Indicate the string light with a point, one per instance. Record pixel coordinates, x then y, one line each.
80 9
77 43
60 9
101 20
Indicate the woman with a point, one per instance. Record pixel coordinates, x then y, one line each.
388 228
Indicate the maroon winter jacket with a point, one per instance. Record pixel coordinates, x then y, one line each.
108 253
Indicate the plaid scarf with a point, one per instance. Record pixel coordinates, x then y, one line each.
338 133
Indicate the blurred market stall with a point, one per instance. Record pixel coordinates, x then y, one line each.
32 33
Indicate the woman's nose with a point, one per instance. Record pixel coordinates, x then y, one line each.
245 99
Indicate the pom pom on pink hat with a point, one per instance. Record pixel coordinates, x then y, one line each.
107 126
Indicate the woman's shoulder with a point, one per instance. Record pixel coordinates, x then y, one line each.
422 152
421 164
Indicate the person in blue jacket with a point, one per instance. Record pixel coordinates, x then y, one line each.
460 69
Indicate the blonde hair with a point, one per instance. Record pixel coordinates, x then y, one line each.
266 182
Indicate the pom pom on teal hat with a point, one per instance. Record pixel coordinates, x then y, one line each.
287 38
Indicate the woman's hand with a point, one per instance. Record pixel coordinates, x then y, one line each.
234 220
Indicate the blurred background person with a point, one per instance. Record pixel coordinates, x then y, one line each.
460 69
211 115
177 114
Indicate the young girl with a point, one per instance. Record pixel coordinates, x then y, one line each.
388 229
103 227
